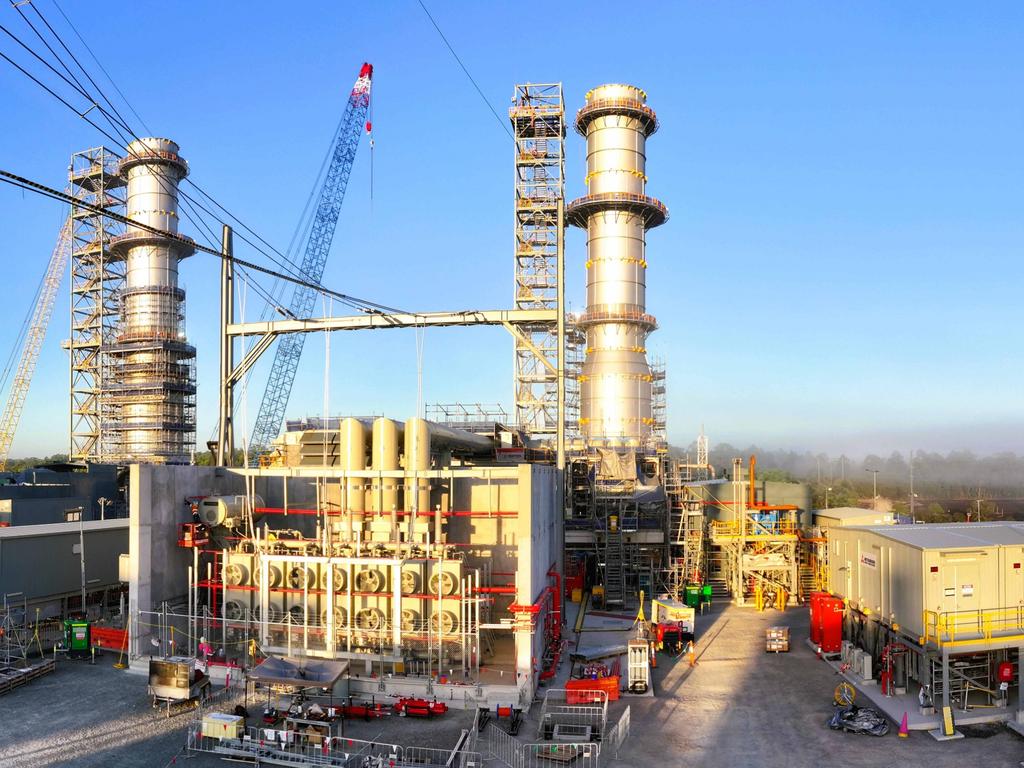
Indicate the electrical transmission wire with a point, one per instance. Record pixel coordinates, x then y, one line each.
494 112
119 125
362 305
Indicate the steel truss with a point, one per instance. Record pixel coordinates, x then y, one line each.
538 123
96 281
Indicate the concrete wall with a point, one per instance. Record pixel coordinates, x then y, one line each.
41 563
159 567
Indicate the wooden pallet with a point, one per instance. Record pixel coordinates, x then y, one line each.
12 677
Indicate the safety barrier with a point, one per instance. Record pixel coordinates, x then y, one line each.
295 747
967 627
618 733
588 710
515 754
753 529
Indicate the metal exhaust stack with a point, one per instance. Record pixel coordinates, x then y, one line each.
615 385
149 397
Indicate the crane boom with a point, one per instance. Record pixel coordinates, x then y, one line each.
328 207
33 342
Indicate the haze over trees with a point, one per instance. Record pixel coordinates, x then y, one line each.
946 486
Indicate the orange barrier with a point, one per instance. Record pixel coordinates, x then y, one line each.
108 637
581 691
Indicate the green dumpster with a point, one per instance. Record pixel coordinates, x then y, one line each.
705 594
692 598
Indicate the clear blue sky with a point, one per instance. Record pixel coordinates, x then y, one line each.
842 269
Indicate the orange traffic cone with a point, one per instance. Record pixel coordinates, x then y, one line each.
904 731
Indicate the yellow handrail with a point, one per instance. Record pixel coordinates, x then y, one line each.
962 627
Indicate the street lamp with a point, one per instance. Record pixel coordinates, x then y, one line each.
874 487
70 515
827 489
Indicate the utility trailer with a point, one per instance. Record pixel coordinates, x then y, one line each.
672 624
176 679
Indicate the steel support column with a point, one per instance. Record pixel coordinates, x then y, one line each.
225 436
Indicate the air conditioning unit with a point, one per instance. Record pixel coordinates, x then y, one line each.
864 667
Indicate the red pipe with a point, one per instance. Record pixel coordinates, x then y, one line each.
398 513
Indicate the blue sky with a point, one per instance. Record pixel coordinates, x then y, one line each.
841 271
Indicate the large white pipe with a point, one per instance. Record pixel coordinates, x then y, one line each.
417 459
384 490
352 454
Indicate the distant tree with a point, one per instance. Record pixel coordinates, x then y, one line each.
776 476
935 513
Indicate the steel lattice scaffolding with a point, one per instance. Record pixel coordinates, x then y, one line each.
659 439
96 281
538 122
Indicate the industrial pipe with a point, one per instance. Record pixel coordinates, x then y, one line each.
417 459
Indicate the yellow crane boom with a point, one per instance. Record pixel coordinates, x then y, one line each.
33 342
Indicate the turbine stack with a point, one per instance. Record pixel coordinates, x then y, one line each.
616 380
149 398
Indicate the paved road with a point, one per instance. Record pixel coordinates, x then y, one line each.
742 707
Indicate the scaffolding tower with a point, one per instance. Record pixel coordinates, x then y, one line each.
538 124
659 438
575 347
96 282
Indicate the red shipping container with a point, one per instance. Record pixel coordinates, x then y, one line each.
815 601
832 610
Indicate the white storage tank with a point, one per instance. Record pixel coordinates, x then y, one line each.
228 511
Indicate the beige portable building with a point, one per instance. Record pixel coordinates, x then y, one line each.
968 576
845 516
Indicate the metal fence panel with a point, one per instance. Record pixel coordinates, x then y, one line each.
503 747
585 708
618 733
552 754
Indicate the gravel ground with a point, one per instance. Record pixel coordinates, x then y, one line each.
99 717
738 707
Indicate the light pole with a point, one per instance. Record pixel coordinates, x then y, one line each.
69 516
874 487
913 495
827 489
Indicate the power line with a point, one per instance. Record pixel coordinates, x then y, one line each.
100 65
81 68
55 194
497 117
122 143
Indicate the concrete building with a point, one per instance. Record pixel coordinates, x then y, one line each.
45 516
431 561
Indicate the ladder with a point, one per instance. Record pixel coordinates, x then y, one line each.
614 571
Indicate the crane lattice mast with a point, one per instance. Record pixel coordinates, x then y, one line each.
33 342
328 208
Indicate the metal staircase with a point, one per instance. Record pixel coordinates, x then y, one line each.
614 566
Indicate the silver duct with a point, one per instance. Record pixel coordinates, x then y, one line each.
149 404
615 384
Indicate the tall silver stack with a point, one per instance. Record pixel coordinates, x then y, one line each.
615 384
149 401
